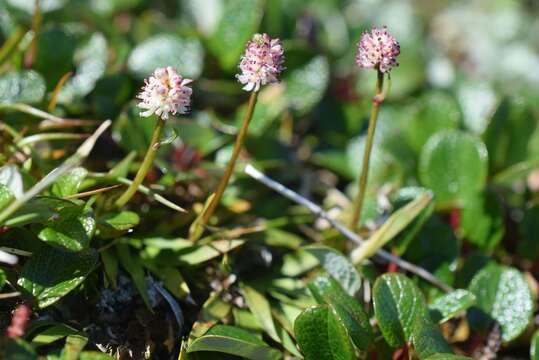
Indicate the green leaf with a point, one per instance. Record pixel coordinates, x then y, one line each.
399 220
454 165
73 347
199 254
185 54
12 179
433 112
398 303
21 87
38 210
113 224
528 246
17 349
427 338
91 61
69 183
94 355
52 334
450 305
6 196
132 264
54 64
321 335
482 221
508 134
234 341
448 357
238 22
50 273
326 289
405 237
503 295
261 309
305 87
338 266
3 278
72 229
534 348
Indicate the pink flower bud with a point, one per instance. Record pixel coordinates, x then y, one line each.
165 92
378 49
262 62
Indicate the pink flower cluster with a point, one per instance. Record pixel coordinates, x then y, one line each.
165 92
378 49
262 62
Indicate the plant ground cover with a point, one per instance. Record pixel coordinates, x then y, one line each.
116 241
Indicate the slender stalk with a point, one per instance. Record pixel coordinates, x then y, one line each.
360 197
145 166
232 162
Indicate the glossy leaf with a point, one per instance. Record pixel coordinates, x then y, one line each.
451 305
427 338
338 266
321 335
69 183
508 134
398 303
399 220
304 87
448 357
482 221
534 347
21 87
91 62
326 289
12 179
239 20
261 309
502 295
71 230
433 112
186 54
50 273
234 341
453 164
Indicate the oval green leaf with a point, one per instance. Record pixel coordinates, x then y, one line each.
22 87
503 295
50 274
454 165
338 266
321 335
326 290
162 50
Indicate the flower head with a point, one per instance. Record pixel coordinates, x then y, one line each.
378 49
165 92
262 62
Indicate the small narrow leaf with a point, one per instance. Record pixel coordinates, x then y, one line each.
234 341
261 309
395 224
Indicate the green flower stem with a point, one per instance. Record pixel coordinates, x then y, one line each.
232 162
360 197
145 166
